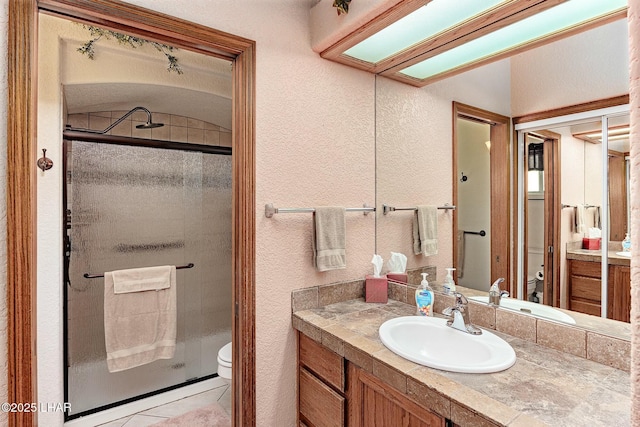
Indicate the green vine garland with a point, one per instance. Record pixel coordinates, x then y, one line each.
342 6
88 48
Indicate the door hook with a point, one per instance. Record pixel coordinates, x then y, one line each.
44 162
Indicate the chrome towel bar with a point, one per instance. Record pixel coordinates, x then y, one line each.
270 210
574 206
95 276
386 208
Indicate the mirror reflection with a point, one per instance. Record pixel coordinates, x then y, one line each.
594 275
561 165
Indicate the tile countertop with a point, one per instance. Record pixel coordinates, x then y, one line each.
544 387
595 256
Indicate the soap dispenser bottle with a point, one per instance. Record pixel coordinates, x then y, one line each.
449 284
424 298
626 243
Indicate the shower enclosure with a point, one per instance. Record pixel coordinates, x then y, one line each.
130 206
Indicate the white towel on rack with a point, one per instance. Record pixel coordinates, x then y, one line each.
329 238
140 316
579 219
425 230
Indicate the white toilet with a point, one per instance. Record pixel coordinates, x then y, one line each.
531 285
224 363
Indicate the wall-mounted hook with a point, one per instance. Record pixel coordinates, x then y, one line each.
464 178
44 162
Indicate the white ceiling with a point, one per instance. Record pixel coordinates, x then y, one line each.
91 97
121 78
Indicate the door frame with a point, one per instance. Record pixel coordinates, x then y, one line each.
552 209
499 135
22 180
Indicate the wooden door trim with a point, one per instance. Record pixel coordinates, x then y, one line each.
572 109
552 213
21 181
500 174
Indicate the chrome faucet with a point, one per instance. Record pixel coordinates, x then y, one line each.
495 293
460 315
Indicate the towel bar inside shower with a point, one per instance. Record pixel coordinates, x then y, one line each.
95 276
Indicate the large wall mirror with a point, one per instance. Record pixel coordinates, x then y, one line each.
560 167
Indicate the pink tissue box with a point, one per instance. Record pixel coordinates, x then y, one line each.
375 289
398 277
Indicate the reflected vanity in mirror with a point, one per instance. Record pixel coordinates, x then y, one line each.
538 254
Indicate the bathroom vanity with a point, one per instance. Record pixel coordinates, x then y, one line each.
563 375
585 281
334 390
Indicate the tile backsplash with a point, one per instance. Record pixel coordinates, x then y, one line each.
601 348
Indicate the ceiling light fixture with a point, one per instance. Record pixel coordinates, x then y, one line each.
421 41
564 16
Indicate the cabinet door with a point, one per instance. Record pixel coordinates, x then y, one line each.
620 281
371 403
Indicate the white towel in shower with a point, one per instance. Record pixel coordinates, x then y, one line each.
140 316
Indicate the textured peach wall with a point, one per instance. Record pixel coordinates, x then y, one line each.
414 154
634 88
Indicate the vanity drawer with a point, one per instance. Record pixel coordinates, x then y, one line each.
586 288
586 268
585 307
319 404
326 364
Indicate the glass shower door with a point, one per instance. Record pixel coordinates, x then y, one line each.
131 206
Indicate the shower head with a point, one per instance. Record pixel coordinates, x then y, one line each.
148 125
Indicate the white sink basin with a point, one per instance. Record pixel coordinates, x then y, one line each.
430 342
625 254
532 308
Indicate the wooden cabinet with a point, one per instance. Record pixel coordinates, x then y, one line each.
335 393
372 403
619 307
321 381
584 287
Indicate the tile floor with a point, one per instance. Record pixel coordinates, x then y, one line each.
221 394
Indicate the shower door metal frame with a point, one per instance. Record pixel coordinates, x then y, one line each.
21 180
68 137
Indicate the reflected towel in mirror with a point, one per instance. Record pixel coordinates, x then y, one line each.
460 263
425 230
579 219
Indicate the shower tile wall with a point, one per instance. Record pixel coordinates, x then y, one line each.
176 128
